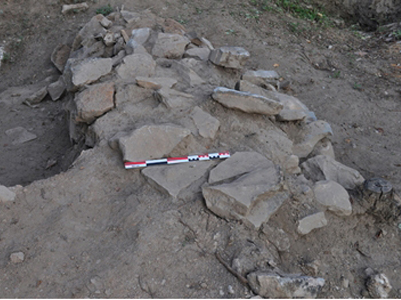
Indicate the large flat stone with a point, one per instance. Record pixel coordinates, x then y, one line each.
94 102
271 285
137 64
176 179
151 141
170 45
206 124
198 53
322 167
229 57
174 99
238 164
333 196
246 102
260 77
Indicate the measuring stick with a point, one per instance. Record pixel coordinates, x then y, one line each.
175 160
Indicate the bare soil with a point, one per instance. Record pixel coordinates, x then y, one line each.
350 79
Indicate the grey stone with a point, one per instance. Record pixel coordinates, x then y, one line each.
170 45
307 224
291 164
199 53
174 99
246 102
324 167
155 83
60 56
313 133
141 35
94 101
252 198
333 196
86 36
277 237
176 179
229 57
56 89
152 141
6 195
20 135
130 17
324 147
81 72
378 286
270 285
109 39
74 7
118 59
206 124
37 96
106 23
17 257
260 77
238 164
136 65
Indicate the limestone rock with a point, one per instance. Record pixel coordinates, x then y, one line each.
206 124
37 96
174 99
151 141
314 132
270 285
291 164
86 36
94 101
155 83
141 35
170 45
333 196
324 167
176 179
20 135
378 286
238 164
246 102
277 237
136 65
199 53
17 257
252 198
229 57
261 77
60 56
311 222
56 89
81 72
6 195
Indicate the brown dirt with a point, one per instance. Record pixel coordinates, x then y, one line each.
349 79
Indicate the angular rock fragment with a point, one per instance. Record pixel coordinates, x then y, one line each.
291 165
229 57
176 179
324 147
141 35
333 196
246 102
60 56
206 124
270 285
199 53
378 286
170 45
94 102
155 83
6 195
324 167
136 65
56 89
277 237
37 96
252 198
314 132
174 99
151 141
106 23
78 73
311 222
109 39
129 16
261 77
17 257
86 36
239 164
20 135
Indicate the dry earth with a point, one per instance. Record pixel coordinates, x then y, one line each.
81 241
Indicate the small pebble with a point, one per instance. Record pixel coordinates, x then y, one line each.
17 257
230 290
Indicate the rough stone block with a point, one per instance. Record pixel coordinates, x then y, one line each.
333 196
261 77
174 99
6 195
206 124
170 45
136 65
311 222
86 36
141 35
229 57
246 102
199 53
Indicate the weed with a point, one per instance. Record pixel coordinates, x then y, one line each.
231 31
104 10
181 20
199 10
336 74
6 57
357 86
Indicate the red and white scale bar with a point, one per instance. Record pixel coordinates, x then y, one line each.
176 160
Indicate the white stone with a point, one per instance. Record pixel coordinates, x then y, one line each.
333 196
311 222
6 195
206 124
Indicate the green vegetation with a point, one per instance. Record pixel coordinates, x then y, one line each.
104 10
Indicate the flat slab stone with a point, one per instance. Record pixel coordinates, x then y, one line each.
20 135
137 64
333 196
246 102
141 35
229 57
174 99
322 167
155 83
271 285
151 142
170 45
56 89
6 195
199 53
260 77
206 124
307 224
60 56
94 101
175 179
238 164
